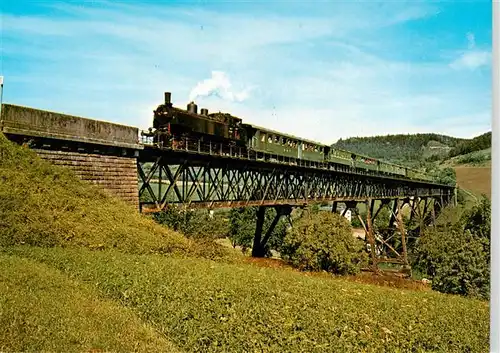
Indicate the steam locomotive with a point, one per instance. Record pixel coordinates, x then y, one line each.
170 122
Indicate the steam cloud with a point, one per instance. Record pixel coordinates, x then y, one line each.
218 85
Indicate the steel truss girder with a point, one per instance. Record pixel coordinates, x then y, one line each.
217 182
425 209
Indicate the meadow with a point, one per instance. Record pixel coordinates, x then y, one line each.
82 271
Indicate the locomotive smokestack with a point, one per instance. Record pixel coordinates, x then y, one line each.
204 111
168 95
192 108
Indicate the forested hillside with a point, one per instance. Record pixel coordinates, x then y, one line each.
413 149
478 143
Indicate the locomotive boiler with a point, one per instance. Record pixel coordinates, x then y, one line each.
170 121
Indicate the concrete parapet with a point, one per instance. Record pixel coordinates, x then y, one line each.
26 121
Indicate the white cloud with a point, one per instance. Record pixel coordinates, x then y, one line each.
219 85
472 58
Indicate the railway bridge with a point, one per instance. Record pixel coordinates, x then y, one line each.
194 174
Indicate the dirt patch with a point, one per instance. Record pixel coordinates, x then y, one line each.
475 179
388 279
359 233
267 262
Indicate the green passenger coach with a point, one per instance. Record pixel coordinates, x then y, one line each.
274 142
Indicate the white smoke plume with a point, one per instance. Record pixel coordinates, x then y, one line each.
218 85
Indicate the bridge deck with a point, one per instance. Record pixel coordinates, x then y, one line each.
195 150
222 179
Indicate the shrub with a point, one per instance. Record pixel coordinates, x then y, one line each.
465 269
196 224
478 219
323 241
446 176
458 257
456 260
474 158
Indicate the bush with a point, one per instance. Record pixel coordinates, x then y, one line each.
323 242
196 224
457 261
473 158
445 176
465 269
458 257
478 219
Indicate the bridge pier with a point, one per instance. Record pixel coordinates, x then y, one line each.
389 244
259 243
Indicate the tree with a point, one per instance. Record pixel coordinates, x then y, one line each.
197 224
457 258
478 219
242 224
445 176
323 241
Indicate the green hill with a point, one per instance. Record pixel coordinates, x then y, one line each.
411 149
481 142
81 271
481 158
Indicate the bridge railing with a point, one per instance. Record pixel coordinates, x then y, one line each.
223 149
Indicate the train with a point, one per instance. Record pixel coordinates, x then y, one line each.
170 122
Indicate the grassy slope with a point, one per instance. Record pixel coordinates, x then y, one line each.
198 304
45 205
475 179
209 306
473 171
42 309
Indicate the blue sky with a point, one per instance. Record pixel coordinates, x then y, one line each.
319 70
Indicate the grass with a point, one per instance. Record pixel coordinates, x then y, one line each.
41 309
480 158
202 305
475 179
82 271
